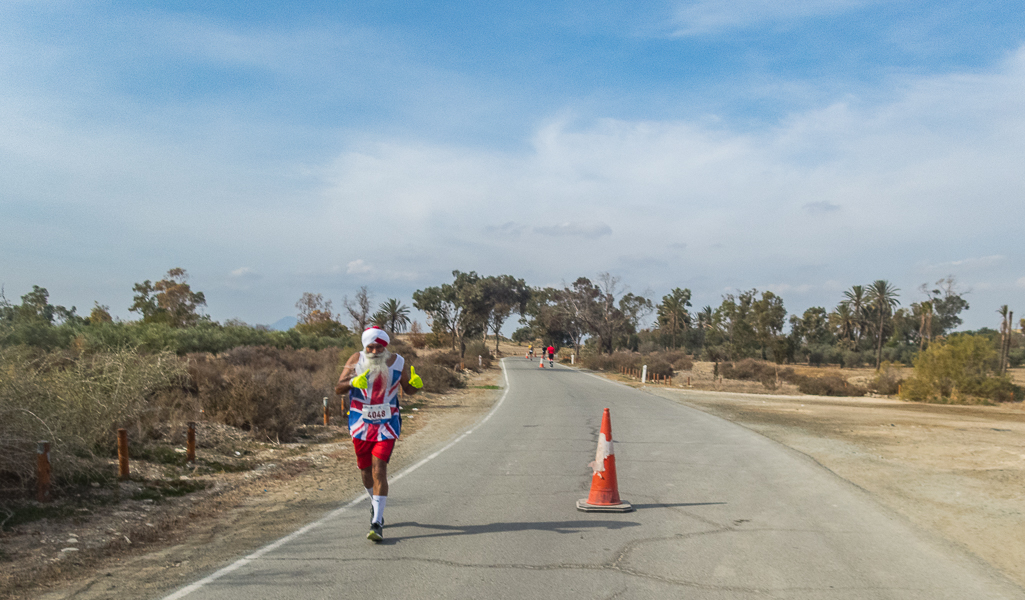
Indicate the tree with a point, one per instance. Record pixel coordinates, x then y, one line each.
503 295
733 322
439 304
315 317
768 318
844 325
672 312
595 308
359 309
457 308
882 299
855 301
947 304
812 328
1006 331
393 316
170 300
100 314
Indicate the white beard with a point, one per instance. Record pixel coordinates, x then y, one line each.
376 365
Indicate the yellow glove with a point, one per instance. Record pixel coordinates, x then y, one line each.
414 379
361 381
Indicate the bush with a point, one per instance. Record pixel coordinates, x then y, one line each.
829 385
960 371
76 404
438 378
265 390
473 350
887 380
762 371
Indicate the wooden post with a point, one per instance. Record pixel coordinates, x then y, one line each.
670 381
327 412
122 454
43 472
688 381
190 447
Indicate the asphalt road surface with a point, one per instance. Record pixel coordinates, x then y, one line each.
721 512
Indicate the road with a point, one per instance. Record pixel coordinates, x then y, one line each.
721 512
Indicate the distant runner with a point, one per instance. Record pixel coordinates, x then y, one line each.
551 356
530 352
372 403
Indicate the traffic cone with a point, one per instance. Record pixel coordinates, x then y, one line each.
542 363
604 496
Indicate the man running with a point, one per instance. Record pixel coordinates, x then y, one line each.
530 352
551 356
372 379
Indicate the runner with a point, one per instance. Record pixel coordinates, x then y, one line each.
530 352
551 356
371 400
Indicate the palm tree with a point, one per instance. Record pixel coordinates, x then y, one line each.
881 299
844 322
855 301
1006 316
393 315
672 313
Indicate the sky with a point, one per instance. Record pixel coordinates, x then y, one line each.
272 149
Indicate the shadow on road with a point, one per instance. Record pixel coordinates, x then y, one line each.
676 505
549 526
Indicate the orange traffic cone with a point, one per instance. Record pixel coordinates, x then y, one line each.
604 496
542 363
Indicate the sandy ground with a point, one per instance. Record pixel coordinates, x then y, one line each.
146 549
955 471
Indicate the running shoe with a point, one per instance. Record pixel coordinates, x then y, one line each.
376 532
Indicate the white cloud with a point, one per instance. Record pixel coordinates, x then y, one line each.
245 273
575 229
1021 282
821 207
357 267
968 264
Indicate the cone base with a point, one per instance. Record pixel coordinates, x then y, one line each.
621 507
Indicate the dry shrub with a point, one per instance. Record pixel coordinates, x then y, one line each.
438 378
449 360
262 389
417 337
767 373
76 405
679 359
829 385
473 350
887 380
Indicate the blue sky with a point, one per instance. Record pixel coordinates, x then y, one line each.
273 149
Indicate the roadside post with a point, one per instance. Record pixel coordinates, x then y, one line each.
122 454
327 412
644 374
43 472
190 443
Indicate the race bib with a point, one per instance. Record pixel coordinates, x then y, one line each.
376 412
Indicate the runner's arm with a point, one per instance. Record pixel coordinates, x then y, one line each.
345 380
404 381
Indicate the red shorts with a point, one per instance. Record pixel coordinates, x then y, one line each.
366 449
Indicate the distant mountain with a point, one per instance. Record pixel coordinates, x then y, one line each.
284 324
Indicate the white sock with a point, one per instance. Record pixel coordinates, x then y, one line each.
379 502
370 492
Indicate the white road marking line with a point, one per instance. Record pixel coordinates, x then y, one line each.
185 591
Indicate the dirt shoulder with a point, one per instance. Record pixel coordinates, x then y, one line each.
958 471
145 549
